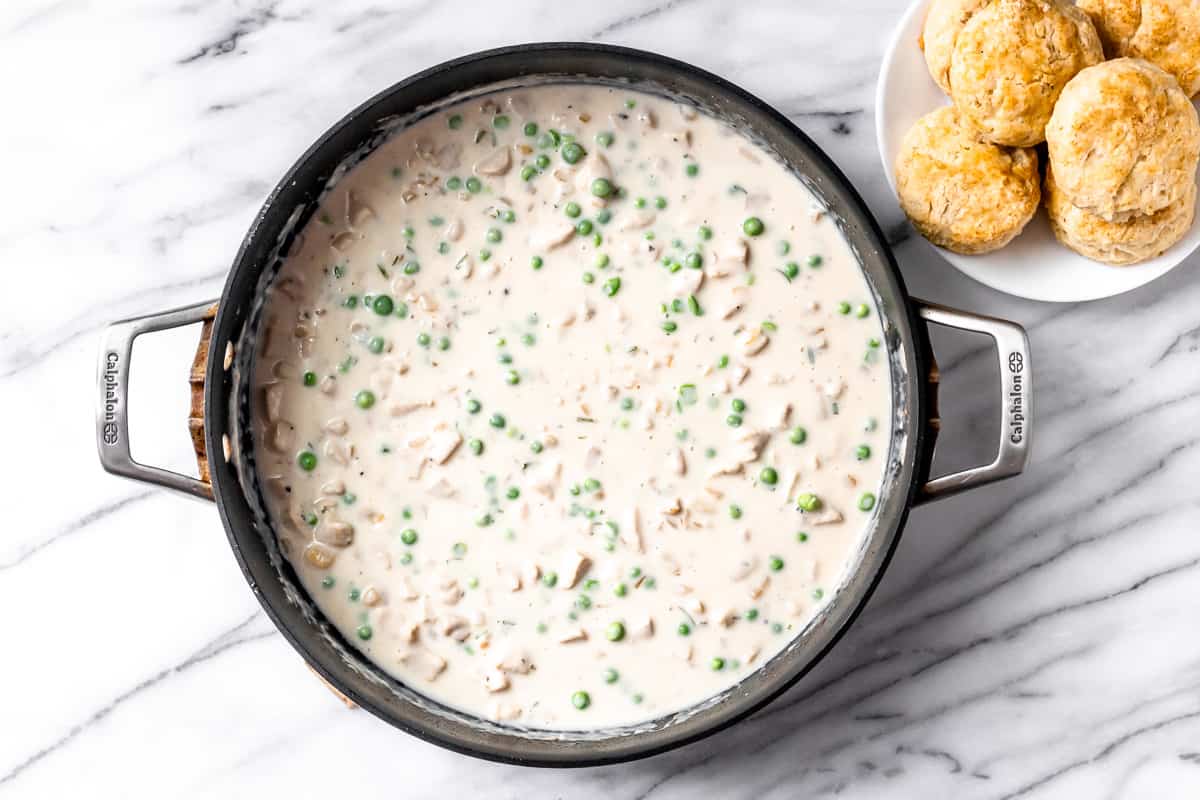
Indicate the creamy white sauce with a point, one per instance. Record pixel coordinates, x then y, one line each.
618 466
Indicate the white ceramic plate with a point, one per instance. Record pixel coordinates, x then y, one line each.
1034 265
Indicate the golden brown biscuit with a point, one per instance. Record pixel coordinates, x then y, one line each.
1124 139
943 21
1011 60
962 193
1164 32
1130 242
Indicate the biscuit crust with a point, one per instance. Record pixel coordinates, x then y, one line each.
1011 61
1164 32
1124 140
943 22
1135 240
960 192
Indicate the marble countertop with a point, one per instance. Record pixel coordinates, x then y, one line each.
1037 638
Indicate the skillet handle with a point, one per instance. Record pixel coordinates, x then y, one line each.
1016 405
112 410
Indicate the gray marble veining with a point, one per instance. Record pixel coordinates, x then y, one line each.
1035 639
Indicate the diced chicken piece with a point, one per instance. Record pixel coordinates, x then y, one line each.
442 445
498 163
676 462
647 119
631 531
694 606
464 267
733 302
687 282
641 627
514 662
737 251
779 419
744 567
454 230
753 341
754 442
826 515
573 567
687 112
725 617
406 589
281 437
454 626
403 408
495 681
442 488
338 450
406 631
530 571
327 384
573 633
429 663
757 589
273 401
750 655
672 507
544 479
552 235
834 389
504 712
639 220
680 136
451 595
319 555
335 533
372 597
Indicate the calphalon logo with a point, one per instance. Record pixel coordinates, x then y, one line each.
108 433
1016 399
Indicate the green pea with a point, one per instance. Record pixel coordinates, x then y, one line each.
528 339
484 521
409 232
735 512
459 549
692 170
364 632
476 446
866 502
694 305
639 203
669 326
862 311
423 339
512 493
738 405
508 215
536 447
791 270
375 344
454 183
602 187
723 362
604 216
408 536
473 185
584 227
802 537
549 579
693 261
769 476
402 310
775 563
351 301
843 307
412 268
310 379
527 173
814 260
531 129
455 122
717 664
583 602
494 235
733 420
328 581
612 286
862 452
572 152
705 232
581 700
602 261
473 406
751 614
615 632
500 121
753 226
512 378
611 676
620 590
808 502
660 202
589 277
572 209
353 594
604 139
382 305
497 421
542 161
485 254
684 629
364 399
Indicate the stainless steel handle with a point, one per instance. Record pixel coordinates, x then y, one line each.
112 409
1016 406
